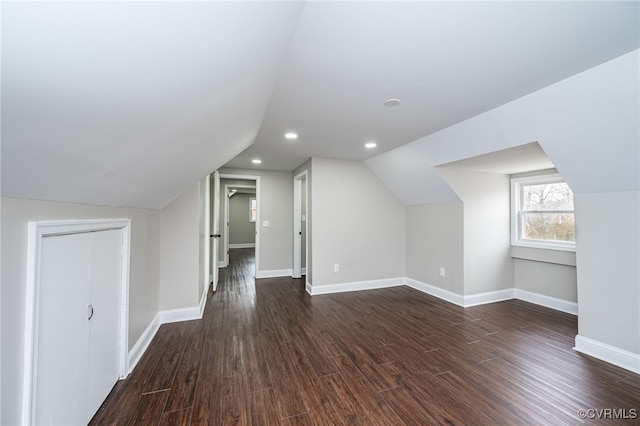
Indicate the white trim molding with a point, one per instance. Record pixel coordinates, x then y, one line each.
354 286
440 293
143 342
242 245
547 301
495 296
165 317
274 273
611 354
488 297
37 230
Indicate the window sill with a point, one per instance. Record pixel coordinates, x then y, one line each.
556 255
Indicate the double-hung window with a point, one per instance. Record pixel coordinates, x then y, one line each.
542 212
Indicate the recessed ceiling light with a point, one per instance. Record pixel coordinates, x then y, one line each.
392 102
370 145
256 161
291 135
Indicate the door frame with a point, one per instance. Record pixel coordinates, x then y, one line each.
297 224
258 201
225 262
36 232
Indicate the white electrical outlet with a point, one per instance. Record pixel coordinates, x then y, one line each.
336 267
442 272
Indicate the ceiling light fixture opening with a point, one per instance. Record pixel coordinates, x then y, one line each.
392 103
256 161
291 135
370 145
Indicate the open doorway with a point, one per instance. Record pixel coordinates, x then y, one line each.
240 213
300 230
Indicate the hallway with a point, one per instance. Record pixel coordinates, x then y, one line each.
269 354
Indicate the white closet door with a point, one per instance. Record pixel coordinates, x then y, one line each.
105 298
77 357
62 360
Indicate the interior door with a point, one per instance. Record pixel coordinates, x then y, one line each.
78 333
215 227
62 359
104 330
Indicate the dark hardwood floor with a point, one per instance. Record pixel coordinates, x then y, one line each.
267 353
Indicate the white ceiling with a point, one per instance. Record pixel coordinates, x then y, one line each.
131 103
524 158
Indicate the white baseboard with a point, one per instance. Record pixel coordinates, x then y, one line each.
203 299
242 245
303 271
488 297
440 293
354 286
309 288
164 317
177 315
222 264
494 296
143 342
611 354
274 273
547 301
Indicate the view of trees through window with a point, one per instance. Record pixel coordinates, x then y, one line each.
547 212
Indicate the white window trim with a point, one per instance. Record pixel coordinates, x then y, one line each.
516 193
251 210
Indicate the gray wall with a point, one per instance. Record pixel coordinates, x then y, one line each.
548 279
144 291
357 223
487 228
241 229
180 268
608 259
435 239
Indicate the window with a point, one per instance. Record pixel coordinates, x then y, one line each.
253 209
542 212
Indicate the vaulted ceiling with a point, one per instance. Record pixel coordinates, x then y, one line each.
130 103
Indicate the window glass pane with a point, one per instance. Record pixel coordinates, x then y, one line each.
254 210
552 196
548 226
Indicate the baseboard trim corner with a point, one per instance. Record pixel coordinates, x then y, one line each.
440 293
164 317
611 354
547 301
488 297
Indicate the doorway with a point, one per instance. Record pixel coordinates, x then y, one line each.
300 225
240 213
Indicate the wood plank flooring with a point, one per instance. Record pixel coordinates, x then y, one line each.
267 353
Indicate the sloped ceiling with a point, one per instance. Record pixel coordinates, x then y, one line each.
130 103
